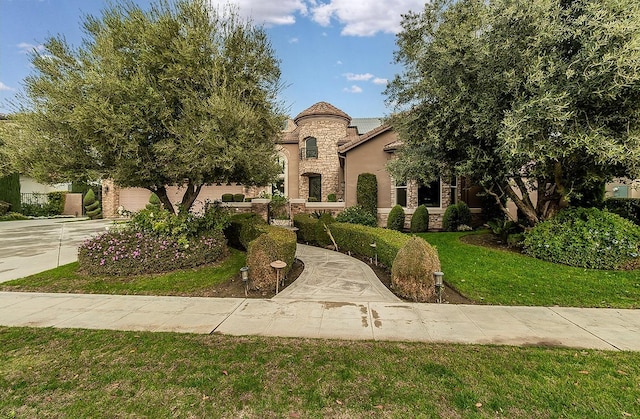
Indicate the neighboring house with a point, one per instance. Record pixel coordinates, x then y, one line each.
30 185
322 151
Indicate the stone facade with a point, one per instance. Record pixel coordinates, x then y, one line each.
110 198
328 126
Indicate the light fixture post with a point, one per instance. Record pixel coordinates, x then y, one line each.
439 280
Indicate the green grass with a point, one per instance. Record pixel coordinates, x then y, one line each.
190 282
82 373
494 276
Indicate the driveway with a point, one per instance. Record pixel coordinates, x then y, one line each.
31 246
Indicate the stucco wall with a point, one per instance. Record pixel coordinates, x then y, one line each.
369 157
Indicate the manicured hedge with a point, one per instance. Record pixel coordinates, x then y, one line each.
275 243
264 244
358 238
306 225
10 191
413 268
242 230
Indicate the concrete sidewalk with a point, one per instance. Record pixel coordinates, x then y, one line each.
606 329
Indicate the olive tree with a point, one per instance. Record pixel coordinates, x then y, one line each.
520 96
179 94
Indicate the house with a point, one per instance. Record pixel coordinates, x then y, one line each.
322 151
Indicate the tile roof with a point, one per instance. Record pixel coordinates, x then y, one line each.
322 108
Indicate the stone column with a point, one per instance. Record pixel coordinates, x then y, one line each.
260 206
110 198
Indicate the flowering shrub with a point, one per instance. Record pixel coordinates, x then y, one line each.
129 252
588 238
184 226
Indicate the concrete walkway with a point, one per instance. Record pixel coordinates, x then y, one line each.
333 276
606 329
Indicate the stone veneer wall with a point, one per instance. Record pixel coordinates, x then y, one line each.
110 199
327 131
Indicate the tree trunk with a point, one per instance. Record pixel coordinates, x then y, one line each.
162 195
190 194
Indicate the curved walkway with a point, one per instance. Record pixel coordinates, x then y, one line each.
333 276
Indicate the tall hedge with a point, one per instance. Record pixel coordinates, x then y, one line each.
10 191
367 192
276 243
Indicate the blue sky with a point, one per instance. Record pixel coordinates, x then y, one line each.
338 51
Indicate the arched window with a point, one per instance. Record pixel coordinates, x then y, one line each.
310 148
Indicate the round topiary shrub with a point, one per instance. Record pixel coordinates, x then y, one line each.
587 238
420 220
455 216
413 268
357 215
227 197
154 203
396 219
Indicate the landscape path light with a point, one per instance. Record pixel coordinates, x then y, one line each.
278 265
244 275
439 279
375 251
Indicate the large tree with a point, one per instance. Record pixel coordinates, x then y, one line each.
180 94
520 96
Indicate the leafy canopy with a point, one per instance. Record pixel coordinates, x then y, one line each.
179 94
520 96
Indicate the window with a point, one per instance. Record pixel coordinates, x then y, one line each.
401 194
280 186
315 187
429 195
454 190
310 150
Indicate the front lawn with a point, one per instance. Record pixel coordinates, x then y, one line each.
85 373
200 282
492 276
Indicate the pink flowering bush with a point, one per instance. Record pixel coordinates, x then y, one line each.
128 252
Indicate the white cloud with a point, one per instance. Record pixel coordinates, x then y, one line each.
338 62
364 17
281 12
357 18
353 89
379 80
5 88
294 40
358 77
27 48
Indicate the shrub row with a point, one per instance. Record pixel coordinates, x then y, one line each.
358 239
128 252
230 197
587 238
